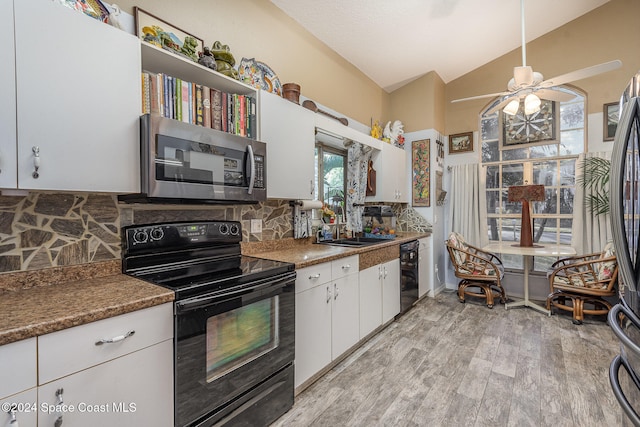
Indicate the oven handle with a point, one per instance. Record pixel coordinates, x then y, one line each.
614 370
203 300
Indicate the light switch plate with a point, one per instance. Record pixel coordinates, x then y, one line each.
256 226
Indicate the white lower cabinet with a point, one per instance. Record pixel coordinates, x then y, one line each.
379 295
370 299
115 371
18 379
327 314
390 289
132 390
25 409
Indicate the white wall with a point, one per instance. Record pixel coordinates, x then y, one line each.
436 215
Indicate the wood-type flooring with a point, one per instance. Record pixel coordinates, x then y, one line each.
445 363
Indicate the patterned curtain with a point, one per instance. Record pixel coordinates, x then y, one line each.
358 157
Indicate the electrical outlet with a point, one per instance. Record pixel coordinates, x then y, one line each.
256 226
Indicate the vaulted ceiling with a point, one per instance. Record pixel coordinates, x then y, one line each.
395 42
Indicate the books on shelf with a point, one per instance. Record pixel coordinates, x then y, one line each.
197 104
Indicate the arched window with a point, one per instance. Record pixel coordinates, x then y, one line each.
538 149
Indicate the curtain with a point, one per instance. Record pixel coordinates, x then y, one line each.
589 233
468 197
358 157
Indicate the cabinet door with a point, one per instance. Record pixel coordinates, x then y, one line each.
390 290
19 366
8 174
132 390
370 299
313 331
288 130
425 269
78 100
391 175
26 409
345 329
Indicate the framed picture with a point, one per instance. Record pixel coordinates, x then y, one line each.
461 143
610 115
172 39
421 172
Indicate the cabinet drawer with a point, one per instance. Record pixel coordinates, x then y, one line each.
312 276
64 352
342 267
19 365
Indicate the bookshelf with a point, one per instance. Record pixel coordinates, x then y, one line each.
178 88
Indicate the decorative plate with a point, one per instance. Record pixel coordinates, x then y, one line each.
271 81
250 73
259 75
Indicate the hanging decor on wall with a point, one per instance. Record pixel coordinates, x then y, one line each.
421 172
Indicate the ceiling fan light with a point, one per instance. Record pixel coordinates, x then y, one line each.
531 104
512 107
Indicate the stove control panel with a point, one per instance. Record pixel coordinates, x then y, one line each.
181 235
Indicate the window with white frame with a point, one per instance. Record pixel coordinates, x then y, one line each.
537 149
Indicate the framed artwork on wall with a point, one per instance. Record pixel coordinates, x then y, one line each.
421 172
611 115
461 143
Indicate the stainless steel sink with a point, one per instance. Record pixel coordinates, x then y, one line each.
354 242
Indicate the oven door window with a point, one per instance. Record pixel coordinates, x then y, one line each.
185 161
237 337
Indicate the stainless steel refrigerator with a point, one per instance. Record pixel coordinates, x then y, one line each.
624 318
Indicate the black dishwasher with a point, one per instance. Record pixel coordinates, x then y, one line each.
408 275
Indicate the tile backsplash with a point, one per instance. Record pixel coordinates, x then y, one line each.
42 230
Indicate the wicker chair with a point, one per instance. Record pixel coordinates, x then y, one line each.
585 281
479 270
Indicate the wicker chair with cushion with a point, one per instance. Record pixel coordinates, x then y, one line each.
479 270
585 281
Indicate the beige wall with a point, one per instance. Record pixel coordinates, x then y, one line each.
609 32
419 104
258 29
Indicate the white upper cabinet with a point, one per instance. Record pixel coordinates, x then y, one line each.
8 175
78 101
289 132
390 165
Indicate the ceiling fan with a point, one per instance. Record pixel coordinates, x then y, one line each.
530 85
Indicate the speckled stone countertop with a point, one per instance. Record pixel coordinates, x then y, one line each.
303 252
38 302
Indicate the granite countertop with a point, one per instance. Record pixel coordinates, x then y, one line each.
39 302
303 253
68 297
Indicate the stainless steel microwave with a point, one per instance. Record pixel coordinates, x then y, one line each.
184 161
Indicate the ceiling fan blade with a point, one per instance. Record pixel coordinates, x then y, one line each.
489 95
582 73
500 105
554 95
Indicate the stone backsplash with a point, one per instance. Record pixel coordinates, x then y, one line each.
42 230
